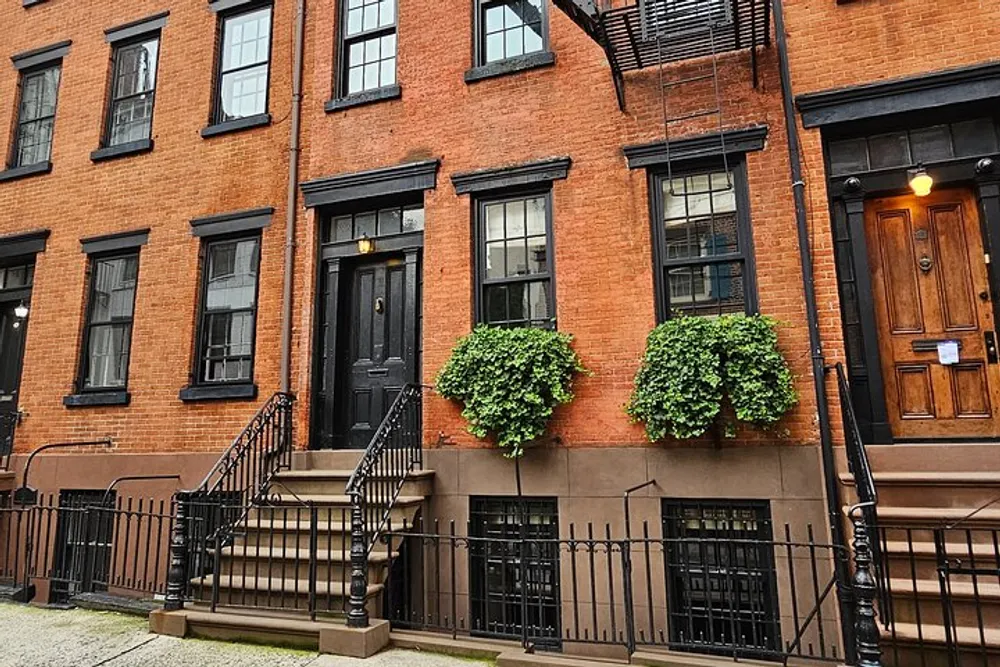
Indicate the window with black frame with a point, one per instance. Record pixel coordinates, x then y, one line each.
108 331
510 29
704 244
36 115
243 64
368 46
514 261
722 581
498 577
133 89
228 310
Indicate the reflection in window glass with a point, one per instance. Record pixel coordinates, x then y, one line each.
382 222
369 45
132 92
36 116
510 28
109 321
244 64
229 310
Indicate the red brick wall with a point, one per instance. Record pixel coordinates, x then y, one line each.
184 177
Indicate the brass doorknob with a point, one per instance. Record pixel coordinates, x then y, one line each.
925 263
984 296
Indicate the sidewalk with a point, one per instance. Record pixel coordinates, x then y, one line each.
33 637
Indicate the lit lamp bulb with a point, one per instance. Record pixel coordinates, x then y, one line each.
20 311
366 246
920 181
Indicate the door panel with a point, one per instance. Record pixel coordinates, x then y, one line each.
380 329
12 334
930 284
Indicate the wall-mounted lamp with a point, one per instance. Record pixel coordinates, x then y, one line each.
21 311
366 246
920 181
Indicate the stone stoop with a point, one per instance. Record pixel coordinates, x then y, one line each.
921 486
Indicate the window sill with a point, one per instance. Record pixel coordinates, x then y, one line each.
122 150
368 97
511 66
236 125
15 173
96 398
220 392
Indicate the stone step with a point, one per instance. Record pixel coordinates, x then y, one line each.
923 597
291 561
931 517
303 482
331 507
933 489
279 593
906 558
935 634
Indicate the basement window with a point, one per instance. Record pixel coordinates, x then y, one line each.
496 569
77 532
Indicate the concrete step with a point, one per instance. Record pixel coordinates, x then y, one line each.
929 634
312 481
921 599
331 507
933 489
267 594
936 517
919 559
293 562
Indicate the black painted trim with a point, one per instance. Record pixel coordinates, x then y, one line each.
952 86
392 243
122 150
97 398
237 125
531 173
510 66
27 243
115 242
393 92
234 222
15 173
41 55
31 3
692 148
220 392
136 28
400 179
226 5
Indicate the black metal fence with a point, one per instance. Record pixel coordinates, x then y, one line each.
740 597
81 547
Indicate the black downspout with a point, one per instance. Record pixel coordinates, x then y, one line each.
815 342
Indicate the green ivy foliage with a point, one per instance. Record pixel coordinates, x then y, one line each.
692 363
509 381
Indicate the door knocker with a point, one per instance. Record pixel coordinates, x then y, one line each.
925 263
379 305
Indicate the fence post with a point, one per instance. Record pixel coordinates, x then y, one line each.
628 595
357 614
177 574
89 557
313 547
866 632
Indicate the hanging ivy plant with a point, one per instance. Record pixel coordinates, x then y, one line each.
509 381
692 363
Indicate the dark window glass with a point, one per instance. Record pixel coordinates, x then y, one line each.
369 45
496 568
109 321
703 257
510 28
974 137
381 222
889 150
848 156
931 143
229 310
133 87
14 277
36 116
721 596
244 64
515 266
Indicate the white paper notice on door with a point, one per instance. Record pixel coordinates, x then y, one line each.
947 352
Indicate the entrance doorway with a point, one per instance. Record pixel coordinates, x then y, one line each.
931 294
15 291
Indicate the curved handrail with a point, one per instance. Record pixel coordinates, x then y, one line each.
857 454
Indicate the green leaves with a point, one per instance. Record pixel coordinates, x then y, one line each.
509 381
691 362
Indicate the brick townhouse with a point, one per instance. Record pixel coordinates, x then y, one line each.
509 162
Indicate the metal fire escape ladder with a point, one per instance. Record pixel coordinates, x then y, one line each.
665 22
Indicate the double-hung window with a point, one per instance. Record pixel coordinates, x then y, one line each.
133 88
368 46
228 310
108 332
704 256
36 115
509 29
244 64
514 261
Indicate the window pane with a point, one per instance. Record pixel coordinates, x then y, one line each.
107 356
228 345
135 68
364 225
495 260
496 304
931 143
113 292
889 150
413 219
511 28
847 157
974 137
232 275
515 218
36 113
244 93
517 258
246 39
494 222
537 259
131 119
389 221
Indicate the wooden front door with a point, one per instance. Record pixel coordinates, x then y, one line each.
377 342
930 285
12 333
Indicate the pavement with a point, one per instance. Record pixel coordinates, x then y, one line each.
35 637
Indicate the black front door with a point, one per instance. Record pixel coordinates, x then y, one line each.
376 344
12 333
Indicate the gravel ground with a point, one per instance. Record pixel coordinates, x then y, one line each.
33 637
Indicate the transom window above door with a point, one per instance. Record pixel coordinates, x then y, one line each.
704 243
368 46
374 223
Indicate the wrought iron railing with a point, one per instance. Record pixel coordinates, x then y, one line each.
205 517
395 450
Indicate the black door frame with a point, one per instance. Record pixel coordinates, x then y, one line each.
335 259
847 196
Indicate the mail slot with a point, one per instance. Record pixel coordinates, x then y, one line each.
931 344
377 372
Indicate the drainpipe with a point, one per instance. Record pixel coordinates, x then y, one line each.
815 342
292 201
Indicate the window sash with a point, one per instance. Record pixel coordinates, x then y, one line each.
36 119
225 73
482 32
123 132
348 39
107 367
